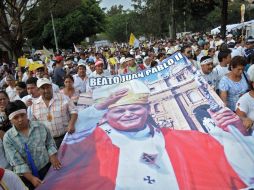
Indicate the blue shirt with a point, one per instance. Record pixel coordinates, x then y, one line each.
40 144
234 90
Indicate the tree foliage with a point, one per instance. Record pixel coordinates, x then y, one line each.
11 24
74 21
157 18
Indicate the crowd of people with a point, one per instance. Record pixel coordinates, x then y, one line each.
38 107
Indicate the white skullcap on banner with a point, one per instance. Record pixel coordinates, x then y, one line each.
138 93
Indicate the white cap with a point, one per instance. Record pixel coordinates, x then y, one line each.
81 64
122 60
43 81
132 51
250 73
138 57
229 36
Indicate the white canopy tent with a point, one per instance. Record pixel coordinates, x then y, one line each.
232 27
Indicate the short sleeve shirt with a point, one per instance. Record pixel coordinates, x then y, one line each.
234 90
246 105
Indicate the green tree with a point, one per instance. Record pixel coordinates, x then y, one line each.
117 22
162 17
233 13
40 16
224 17
73 23
11 24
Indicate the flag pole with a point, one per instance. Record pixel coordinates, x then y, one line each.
126 30
54 30
242 8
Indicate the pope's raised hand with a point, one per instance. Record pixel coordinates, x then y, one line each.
225 117
113 98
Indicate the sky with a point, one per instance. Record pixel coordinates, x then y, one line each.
108 3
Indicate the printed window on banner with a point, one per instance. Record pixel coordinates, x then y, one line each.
157 108
152 89
194 97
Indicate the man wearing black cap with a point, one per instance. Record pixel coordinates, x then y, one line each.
249 51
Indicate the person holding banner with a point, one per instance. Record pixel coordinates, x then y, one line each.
29 146
55 110
245 105
99 71
210 75
128 150
80 79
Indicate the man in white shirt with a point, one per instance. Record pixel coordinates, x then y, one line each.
32 90
207 72
83 57
90 67
230 39
11 89
99 72
224 58
80 79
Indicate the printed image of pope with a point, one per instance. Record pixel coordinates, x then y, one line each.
117 145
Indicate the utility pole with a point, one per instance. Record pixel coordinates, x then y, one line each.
126 31
184 21
224 18
54 30
172 28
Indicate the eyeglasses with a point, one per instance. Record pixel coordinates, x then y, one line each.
188 52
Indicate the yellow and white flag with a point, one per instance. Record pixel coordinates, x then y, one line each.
34 65
22 61
75 48
133 41
46 52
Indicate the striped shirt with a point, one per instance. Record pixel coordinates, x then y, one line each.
56 116
40 144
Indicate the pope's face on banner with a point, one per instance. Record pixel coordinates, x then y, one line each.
130 117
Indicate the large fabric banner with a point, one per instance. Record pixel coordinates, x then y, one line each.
161 128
